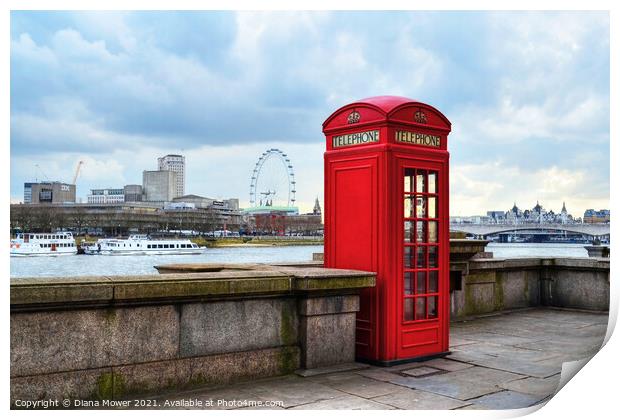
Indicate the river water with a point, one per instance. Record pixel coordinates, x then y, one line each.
84 265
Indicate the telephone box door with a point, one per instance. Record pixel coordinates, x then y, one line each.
423 305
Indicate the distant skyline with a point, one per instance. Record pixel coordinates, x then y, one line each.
527 94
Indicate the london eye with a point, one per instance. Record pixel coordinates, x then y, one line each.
273 181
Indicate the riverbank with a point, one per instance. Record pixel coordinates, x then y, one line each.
257 241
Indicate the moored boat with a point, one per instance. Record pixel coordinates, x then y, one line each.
141 244
43 244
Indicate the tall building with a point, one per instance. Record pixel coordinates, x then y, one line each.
48 192
174 163
159 185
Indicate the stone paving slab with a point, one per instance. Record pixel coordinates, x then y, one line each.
541 369
457 388
413 399
344 367
421 371
349 402
379 374
363 387
446 364
498 338
505 400
293 391
534 386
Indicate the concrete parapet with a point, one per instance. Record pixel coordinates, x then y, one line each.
110 337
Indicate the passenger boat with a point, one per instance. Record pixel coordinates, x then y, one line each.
141 244
43 244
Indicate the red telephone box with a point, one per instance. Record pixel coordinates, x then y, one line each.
386 210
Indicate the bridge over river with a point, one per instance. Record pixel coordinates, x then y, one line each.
594 230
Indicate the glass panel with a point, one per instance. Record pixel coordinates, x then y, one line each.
432 182
432 232
421 257
420 308
420 204
432 306
433 277
408 257
408 207
421 282
420 181
408 283
408 310
409 233
408 180
432 207
432 256
420 234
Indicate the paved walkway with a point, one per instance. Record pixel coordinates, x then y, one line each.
510 360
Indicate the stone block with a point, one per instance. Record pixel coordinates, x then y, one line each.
84 384
327 340
329 305
232 326
56 341
218 369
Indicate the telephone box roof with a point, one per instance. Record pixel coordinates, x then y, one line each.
387 105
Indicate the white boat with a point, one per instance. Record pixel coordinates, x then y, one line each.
141 244
43 244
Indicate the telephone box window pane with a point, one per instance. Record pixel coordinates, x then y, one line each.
420 234
420 181
420 308
433 277
432 232
409 232
432 182
432 306
409 207
408 257
432 207
408 310
421 257
408 283
432 256
409 173
421 282
420 204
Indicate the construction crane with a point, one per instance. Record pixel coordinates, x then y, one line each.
77 171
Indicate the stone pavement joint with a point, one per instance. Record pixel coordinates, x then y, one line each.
503 361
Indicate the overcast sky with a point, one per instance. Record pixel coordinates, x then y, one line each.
527 94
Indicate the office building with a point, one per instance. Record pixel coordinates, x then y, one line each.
176 164
106 196
159 185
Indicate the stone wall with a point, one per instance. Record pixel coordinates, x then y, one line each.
487 285
110 337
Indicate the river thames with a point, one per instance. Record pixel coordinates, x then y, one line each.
104 265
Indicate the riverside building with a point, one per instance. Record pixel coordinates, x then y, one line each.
176 164
106 196
48 192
